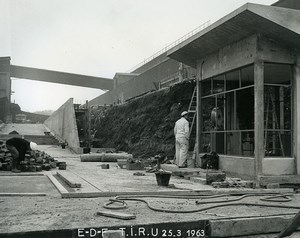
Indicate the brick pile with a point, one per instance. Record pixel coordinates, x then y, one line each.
35 161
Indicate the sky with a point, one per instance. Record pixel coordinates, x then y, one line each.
94 37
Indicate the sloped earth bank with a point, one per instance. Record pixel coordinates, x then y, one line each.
144 126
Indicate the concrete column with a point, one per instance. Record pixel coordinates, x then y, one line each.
258 118
296 113
198 115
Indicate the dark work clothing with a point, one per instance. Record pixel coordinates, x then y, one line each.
21 145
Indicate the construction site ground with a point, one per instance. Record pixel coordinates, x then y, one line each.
42 205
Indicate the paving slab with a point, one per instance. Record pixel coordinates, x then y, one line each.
24 129
26 184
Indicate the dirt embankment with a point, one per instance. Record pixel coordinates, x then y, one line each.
144 126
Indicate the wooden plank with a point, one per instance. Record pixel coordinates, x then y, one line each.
119 215
20 174
295 223
21 194
71 179
58 185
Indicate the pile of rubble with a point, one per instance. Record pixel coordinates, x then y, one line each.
35 161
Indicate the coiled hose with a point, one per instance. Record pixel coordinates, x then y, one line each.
271 197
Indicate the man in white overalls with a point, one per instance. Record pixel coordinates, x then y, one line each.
181 132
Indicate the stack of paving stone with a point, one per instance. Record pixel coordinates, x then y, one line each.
233 183
35 161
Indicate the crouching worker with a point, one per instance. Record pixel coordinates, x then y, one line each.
18 148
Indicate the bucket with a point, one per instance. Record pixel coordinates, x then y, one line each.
190 163
162 179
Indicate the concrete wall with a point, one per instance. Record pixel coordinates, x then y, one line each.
5 83
294 4
140 84
244 53
278 166
152 63
5 88
237 166
121 78
244 166
63 124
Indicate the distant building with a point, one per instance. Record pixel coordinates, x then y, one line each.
21 118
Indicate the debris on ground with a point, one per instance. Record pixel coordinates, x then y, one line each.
139 174
233 183
217 176
134 164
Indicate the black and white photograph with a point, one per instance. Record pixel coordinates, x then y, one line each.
149 119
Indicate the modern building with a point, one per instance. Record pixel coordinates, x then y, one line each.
248 67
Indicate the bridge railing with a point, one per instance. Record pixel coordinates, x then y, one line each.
165 49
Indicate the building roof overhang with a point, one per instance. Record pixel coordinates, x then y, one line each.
280 24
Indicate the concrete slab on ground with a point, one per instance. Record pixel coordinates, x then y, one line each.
26 184
24 129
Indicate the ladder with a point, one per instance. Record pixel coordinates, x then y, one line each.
192 115
271 100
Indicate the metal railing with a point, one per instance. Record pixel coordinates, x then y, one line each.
183 38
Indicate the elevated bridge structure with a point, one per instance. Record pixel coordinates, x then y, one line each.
8 71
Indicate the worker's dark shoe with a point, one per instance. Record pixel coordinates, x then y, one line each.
16 171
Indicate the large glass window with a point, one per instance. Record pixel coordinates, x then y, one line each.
228 113
278 111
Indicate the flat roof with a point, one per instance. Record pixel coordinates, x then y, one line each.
280 24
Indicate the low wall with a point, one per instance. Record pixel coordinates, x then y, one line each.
244 166
63 124
278 166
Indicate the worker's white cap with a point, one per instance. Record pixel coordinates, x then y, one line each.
184 113
33 145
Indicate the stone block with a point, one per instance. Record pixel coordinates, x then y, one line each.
105 166
273 185
134 166
38 168
198 180
46 167
215 177
62 166
24 168
53 164
220 184
246 184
